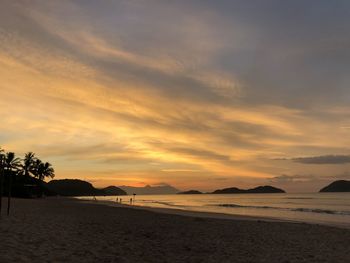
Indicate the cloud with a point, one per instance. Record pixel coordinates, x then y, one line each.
120 86
308 178
306 182
292 178
199 153
325 159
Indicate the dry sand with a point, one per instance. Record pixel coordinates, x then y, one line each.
64 230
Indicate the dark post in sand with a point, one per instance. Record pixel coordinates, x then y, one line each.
2 162
9 194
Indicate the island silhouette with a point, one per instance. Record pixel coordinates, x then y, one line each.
256 190
190 192
337 186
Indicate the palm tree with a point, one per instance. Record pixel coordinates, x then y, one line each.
45 170
12 163
2 166
36 165
29 163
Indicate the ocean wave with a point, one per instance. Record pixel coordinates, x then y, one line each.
160 203
301 198
320 211
307 210
249 206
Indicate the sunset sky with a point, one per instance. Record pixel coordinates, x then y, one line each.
197 94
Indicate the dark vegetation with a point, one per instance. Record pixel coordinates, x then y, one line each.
75 187
23 177
257 190
26 178
337 186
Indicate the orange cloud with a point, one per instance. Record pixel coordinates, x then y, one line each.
101 110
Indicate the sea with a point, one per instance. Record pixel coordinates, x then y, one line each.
319 208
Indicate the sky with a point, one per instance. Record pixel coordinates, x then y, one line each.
197 94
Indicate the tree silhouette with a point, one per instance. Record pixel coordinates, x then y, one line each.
12 163
41 171
45 170
29 163
36 165
18 174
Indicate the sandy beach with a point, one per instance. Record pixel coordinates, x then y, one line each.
65 230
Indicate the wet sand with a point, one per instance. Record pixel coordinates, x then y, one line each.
66 230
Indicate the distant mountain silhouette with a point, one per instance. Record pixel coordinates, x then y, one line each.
75 187
150 190
113 190
337 186
190 192
257 190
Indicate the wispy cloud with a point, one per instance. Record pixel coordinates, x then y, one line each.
326 159
202 93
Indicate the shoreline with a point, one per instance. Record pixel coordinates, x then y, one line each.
183 212
213 215
72 230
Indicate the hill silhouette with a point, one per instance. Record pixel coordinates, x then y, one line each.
113 190
337 186
257 190
75 187
190 192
